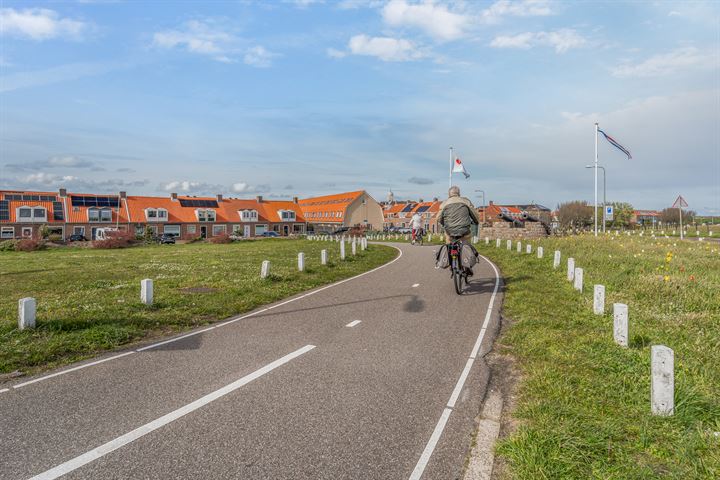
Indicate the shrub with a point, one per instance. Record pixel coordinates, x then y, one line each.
8 246
199 238
224 238
44 231
29 245
115 240
55 237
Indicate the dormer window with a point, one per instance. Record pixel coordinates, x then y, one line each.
248 215
205 215
156 214
31 214
99 215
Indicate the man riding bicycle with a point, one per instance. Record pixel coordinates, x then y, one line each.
417 226
457 214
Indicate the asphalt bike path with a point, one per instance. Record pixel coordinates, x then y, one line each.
380 376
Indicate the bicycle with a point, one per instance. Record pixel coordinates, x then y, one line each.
457 271
418 237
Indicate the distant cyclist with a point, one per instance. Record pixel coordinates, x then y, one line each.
457 215
417 226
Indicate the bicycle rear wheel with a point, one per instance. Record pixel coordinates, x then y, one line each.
457 279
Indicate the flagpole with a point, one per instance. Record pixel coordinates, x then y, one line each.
595 170
451 167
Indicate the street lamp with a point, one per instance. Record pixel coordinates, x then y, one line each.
604 192
483 202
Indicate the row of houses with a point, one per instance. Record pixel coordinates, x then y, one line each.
24 213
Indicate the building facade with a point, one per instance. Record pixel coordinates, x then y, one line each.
350 210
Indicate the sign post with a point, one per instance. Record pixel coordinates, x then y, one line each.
609 214
679 204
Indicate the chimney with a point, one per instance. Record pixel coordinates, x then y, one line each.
173 197
421 201
63 192
123 194
259 198
295 199
435 199
219 197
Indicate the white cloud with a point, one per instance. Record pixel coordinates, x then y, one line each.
386 49
203 38
68 161
667 63
43 178
303 3
243 187
185 186
258 57
561 40
39 24
334 53
434 19
521 8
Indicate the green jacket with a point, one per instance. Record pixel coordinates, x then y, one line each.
456 215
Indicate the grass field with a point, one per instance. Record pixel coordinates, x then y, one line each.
584 404
89 300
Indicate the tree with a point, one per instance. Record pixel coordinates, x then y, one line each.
575 214
622 214
672 216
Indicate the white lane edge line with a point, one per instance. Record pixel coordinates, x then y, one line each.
415 285
217 325
353 323
63 372
121 441
435 437
3 390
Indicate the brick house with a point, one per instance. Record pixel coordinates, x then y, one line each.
400 214
349 209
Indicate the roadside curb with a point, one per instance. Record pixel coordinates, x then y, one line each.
482 457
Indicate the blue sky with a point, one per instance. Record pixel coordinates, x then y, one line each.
312 97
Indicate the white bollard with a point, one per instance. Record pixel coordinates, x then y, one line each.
540 252
301 261
556 259
146 291
497 243
662 385
323 257
353 248
570 269
620 324
519 247
599 299
265 269
578 279
342 251
528 248
27 308
509 244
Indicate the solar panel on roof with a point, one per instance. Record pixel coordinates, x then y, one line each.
186 202
58 213
95 201
4 210
408 208
423 208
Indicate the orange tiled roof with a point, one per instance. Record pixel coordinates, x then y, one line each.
13 204
328 208
79 214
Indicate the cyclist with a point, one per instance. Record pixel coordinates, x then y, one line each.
416 223
457 214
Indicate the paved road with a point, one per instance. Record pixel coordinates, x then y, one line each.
288 392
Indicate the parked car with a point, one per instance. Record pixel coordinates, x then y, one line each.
270 234
76 237
166 238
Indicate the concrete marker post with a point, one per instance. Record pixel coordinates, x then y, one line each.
540 252
662 385
487 240
353 249
620 324
509 244
528 248
599 299
265 269
497 243
519 247
301 262
27 308
578 279
342 251
146 291
323 257
570 269
556 259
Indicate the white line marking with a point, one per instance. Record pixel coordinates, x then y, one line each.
435 437
217 325
353 323
3 390
133 435
415 285
63 372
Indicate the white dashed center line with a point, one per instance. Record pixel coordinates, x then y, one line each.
415 285
353 323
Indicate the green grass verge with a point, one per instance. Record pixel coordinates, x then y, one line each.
89 300
584 405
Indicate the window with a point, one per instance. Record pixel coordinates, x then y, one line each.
156 214
27 232
218 230
260 229
287 215
172 230
151 213
249 215
38 213
24 212
7 232
191 229
79 231
162 213
205 215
